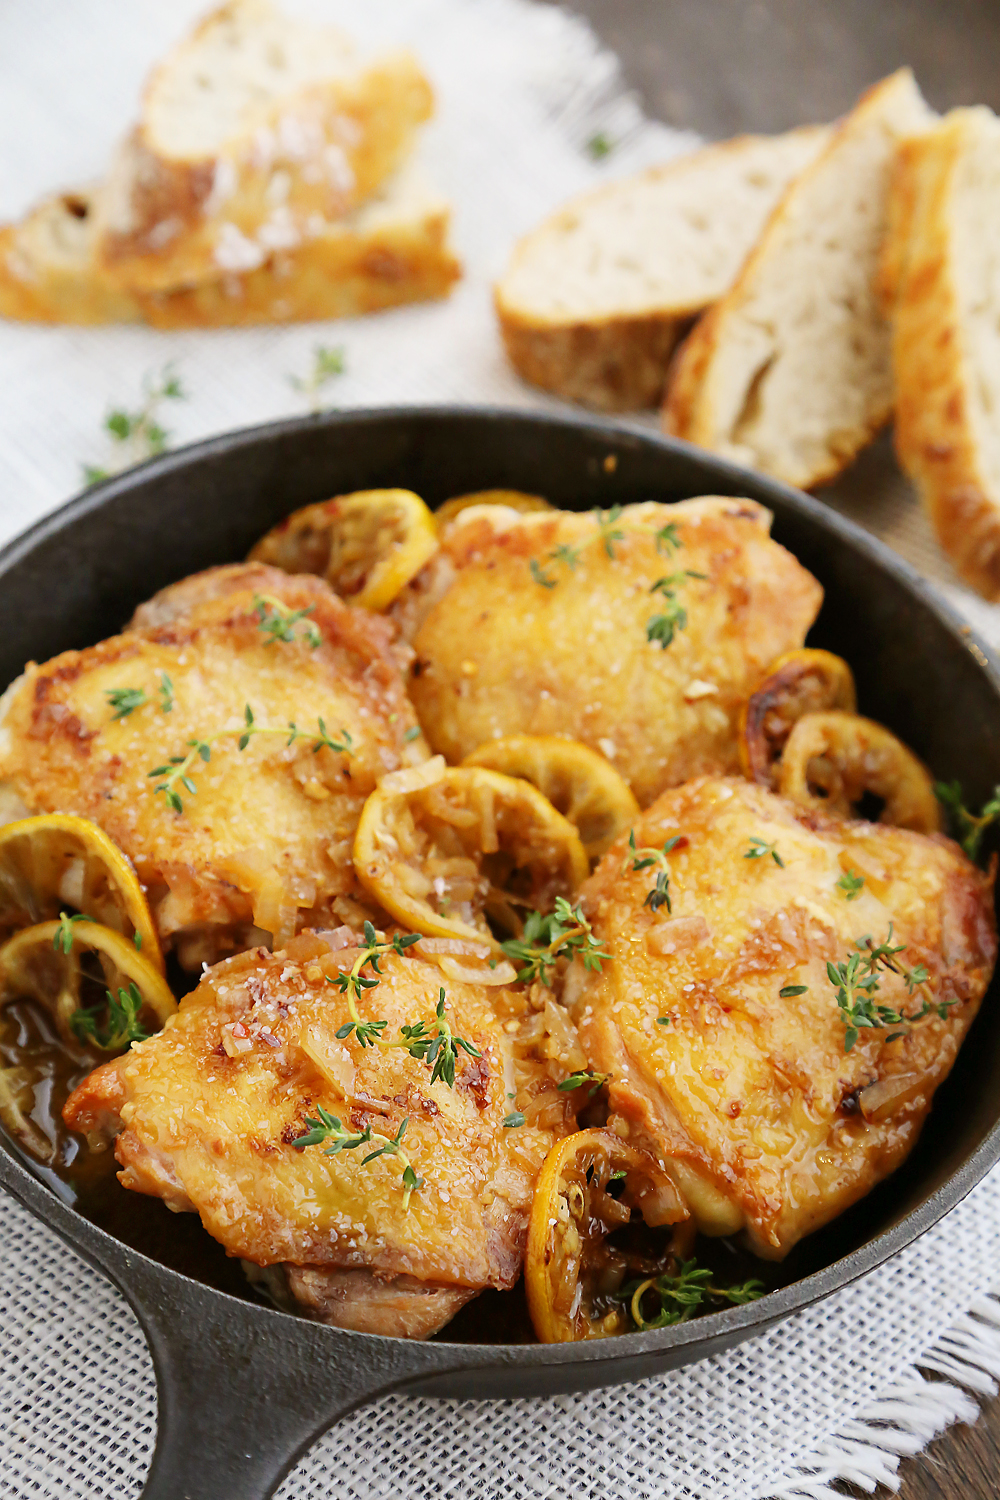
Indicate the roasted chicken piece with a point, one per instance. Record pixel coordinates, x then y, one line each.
640 633
731 1057
238 829
210 1114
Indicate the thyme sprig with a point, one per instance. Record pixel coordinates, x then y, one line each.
564 933
139 432
600 145
759 849
126 700
681 1294
354 982
325 1127
327 364
581 1079
278 622
662 628
607 525
122 1027
62 938
668 539
856 982
565 554
645 858
177 770
437 1048
970 828
851 884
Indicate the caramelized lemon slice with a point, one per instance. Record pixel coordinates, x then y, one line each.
513 499
439 846
797 683
579 783
43 963
56 861
367 545
831 760
571 1274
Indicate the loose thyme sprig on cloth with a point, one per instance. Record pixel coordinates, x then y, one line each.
139 432
177 770
644 859
970 828
327 364
325 1127
564 933
278 622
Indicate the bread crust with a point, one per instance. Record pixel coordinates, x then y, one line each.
36 288
687 412
935 435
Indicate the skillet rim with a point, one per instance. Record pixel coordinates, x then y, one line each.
713 1329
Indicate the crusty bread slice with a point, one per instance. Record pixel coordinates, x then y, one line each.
47 268
393 249
790 372
255 131
594 300
943 267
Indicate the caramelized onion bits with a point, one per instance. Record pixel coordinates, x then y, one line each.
579 783
367 545
880 1100
573 1272
832 760
512 499
438 847
797 683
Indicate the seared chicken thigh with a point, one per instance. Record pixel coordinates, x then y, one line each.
210 1114
238 829
719 1022
639 633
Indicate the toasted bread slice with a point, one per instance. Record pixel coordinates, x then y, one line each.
47 268
594 300
790 372
946 335
254 130
393 249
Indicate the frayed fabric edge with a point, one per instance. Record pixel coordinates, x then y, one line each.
912 1412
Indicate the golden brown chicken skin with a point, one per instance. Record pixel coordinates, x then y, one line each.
262 844
207 1113
539 624
764 1119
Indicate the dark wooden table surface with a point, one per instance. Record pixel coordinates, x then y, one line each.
724 66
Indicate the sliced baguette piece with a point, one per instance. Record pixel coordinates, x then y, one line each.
790 372
392 250
595 299
254 130
944 267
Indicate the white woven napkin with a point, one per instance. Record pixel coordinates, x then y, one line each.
833 1393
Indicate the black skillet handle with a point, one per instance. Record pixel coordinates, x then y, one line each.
243 1390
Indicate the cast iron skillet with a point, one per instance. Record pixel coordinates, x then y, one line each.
244 1389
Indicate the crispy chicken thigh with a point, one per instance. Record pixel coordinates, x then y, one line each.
764 1119
537 624
262 843
206 1115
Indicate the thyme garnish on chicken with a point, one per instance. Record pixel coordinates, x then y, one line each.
851 884
970 828
856 983
177 770
662 628
680 1295
325 1127
126 700
123 1026
644 859
564 933
760 850
570 556
539 575
278 622
353 983
607 525
668 540
437 1048
580 1080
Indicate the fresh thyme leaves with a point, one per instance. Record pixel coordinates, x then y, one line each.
851 884
137 940
177 770
438 1048
662 628
325 1127
667 539
680 1295
139 432
278 622
970 828
123 1026
564 933
856 983
792 989
539 575
355 982
580 1080
607 525
513 1120
663 1020
569 556
327 364
645 859
125 701
760 850
62 938
600 145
